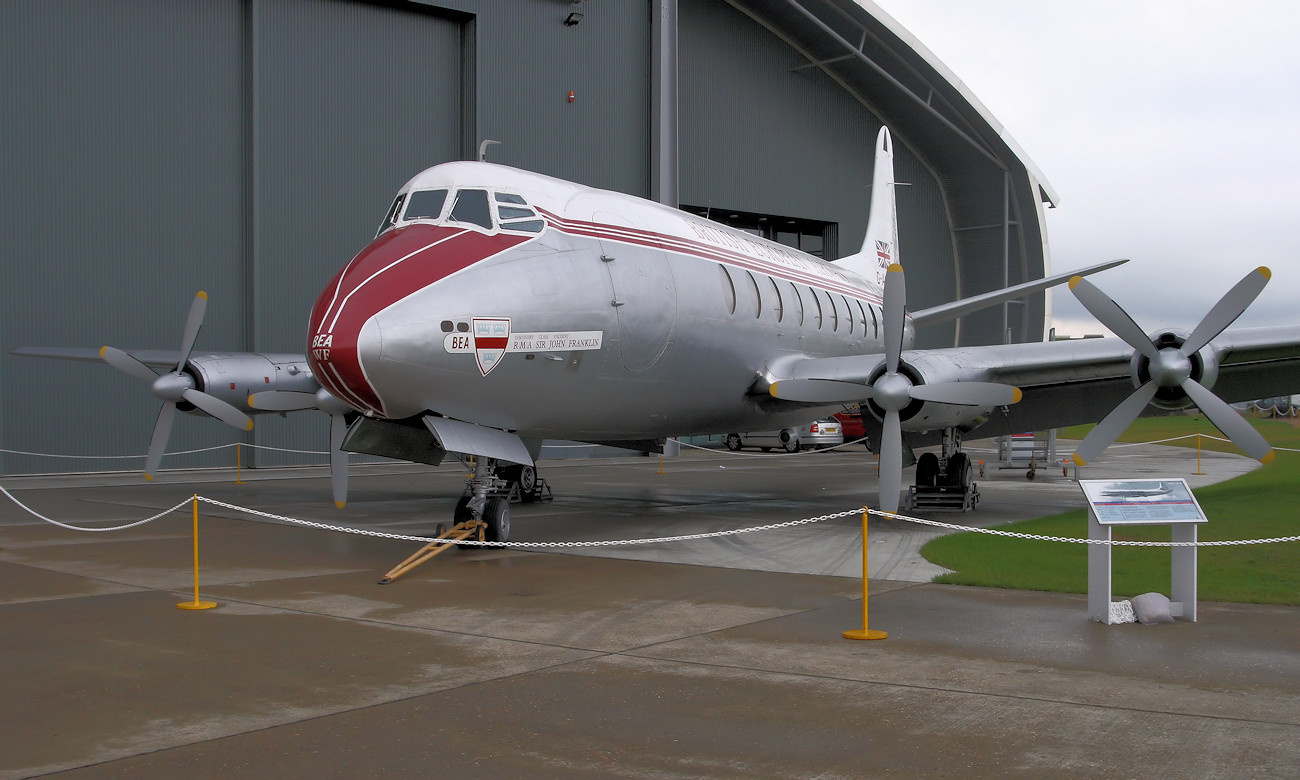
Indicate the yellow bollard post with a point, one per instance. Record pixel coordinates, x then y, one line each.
239 478
196 604
1198 471
661 464
864 632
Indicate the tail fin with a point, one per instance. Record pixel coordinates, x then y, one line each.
880 248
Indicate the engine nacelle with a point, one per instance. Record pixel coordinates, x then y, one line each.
233 377
1204 370
924 369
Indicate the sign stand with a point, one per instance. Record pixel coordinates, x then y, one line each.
1113 502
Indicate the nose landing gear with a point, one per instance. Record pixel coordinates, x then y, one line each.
483 513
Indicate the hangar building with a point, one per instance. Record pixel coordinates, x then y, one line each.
249 148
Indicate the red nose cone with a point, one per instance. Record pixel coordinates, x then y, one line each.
395 265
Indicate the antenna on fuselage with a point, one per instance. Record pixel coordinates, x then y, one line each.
482 148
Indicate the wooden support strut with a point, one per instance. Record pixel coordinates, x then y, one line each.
444 541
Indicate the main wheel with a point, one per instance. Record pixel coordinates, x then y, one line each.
959 470
462 513
927 469
497 517
733 442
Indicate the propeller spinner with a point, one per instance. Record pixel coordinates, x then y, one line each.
1172 367
176 386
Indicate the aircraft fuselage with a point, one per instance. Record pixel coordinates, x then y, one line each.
521 302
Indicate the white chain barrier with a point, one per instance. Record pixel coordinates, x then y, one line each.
654 540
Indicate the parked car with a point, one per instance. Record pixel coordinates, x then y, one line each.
852 428
818 434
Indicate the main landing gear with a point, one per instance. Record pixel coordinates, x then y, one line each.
946 480
483 513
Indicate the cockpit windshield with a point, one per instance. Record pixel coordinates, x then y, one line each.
472 207
426 204
502 210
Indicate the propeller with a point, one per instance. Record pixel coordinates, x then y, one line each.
175 386
893 391
1172 367
322 399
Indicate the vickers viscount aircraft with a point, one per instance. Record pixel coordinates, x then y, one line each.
497 308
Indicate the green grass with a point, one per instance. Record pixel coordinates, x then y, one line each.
1262 504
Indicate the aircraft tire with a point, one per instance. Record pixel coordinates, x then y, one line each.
959 470
497 517
462 513
927 469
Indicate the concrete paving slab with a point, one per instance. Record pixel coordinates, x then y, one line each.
490 663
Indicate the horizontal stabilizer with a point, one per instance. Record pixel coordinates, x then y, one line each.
951 311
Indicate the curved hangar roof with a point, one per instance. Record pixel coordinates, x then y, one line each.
993 192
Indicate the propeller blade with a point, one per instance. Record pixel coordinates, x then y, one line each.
193 322
1109 429
894 307
281 401
338 460
1227 310
1226 419
127 364
1109 313
819 391
162 430
968 393
219 409
891 462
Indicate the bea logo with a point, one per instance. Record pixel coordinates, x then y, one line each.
322 340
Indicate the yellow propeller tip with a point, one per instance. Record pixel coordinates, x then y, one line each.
1016 395
772 390
1267 459
201 294
1079 461
148 477
251 405
102 350
895 268
1264 272
249 427
340 504
1075 280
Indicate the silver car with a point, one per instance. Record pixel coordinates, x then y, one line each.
818 434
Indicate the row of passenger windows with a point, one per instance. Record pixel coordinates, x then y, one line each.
471 207
798 305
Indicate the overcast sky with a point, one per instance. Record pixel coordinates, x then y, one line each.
1170 131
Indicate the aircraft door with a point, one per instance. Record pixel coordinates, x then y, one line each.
645 295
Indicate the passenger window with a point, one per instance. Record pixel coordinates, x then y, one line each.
863 312
779 306
728 291
393 211
472 207
796 302
426 204
758 296
817 310
849 309
875 323
830 309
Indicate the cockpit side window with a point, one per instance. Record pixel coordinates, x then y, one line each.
393 211
519 216
472 207
425 204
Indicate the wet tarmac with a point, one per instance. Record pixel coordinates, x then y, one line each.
713 658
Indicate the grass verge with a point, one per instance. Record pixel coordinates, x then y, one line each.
1262 504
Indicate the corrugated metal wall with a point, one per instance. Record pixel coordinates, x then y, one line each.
757 135
249 147
152 149
121 195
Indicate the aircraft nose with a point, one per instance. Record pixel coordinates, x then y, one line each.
343 338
